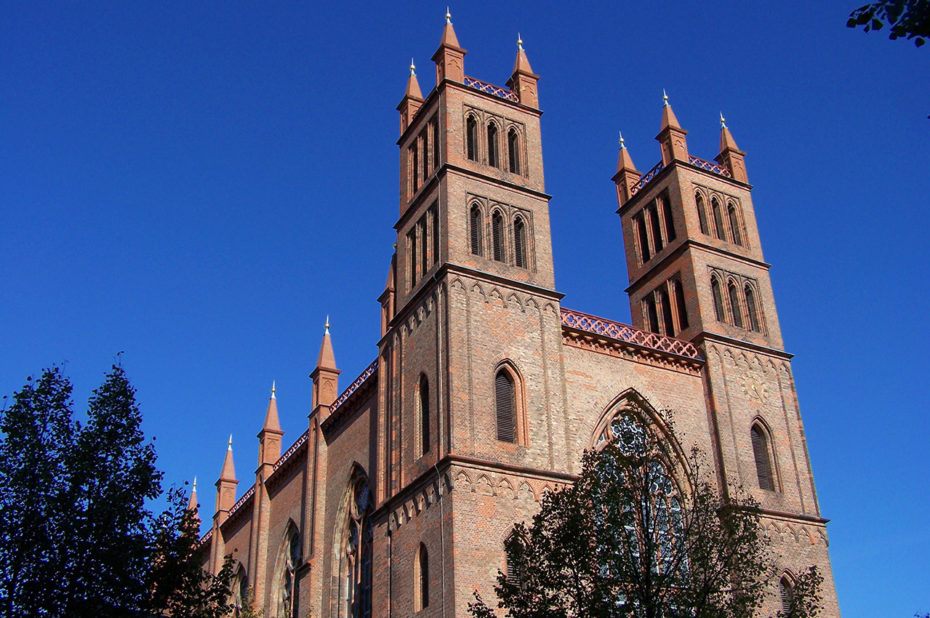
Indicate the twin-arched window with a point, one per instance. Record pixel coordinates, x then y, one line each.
492 134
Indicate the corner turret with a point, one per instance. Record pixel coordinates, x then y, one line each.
627 175
325 376
269 446
671 137
450 57
523 82
730 155
412 101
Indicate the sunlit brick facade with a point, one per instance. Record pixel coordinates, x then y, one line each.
486 390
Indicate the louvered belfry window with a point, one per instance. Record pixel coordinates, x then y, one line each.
476 230
760 450
497 234
506 407
423 404
519 243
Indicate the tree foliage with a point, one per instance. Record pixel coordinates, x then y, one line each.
637 535
908 19
76 535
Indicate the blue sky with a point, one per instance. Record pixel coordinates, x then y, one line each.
198 185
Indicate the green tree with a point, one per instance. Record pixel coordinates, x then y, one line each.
76 535
639 535
908 19
180 586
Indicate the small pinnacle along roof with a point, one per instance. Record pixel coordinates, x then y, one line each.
326 359
668 114
624 160
229 468
448 35
522 63
726 138
413 86
271 416
192 503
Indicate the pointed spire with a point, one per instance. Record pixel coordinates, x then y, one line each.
192 503
624 160
326 359
522 63
726 138
271 416
229 469
448 33
668 114
413 86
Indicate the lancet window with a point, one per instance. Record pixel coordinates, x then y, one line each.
497 235
285 593
519 242
354 553
735 309
735 233
763 458
506 404
719 229
702 215
513 150
421 579
493 155
423 415
471 138
475 224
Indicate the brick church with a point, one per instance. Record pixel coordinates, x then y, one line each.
486 390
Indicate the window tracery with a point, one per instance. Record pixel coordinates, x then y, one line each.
355 554
284 593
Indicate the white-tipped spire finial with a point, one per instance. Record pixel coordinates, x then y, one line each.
519 41
448 15
326 326
664 97
723 121
413 67
272 389
229 446
622 144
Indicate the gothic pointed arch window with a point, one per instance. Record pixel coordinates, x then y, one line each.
471 138
513 150
702 215
679 293
353 552
240 592
505 403
765 472
519 242
493 148
786 594
719 230
423 416
667 325
655 509
497 235
667 217
734 224
752 310
421 579
284 592
475 223
733 293
513 571
719 312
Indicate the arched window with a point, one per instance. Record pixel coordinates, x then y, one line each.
680 301
656 229
471 138
718 299
734 224
760 451
734 304
475 222
435 140
506 403
497 235
240 592
423 413
786 594
718 219
421 579
493 159
354 552
751 309
284 595
669 221
666 311
513 151
514 572
652 315
702 216
639 222
415 164
519 242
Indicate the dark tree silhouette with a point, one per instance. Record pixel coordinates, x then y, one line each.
909 19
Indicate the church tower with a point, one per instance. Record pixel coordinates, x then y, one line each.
470 316
697 272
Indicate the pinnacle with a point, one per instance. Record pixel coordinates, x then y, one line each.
522 63
229 468
624 160
326 359
271 416
668 114
413 86
726 138
448 33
